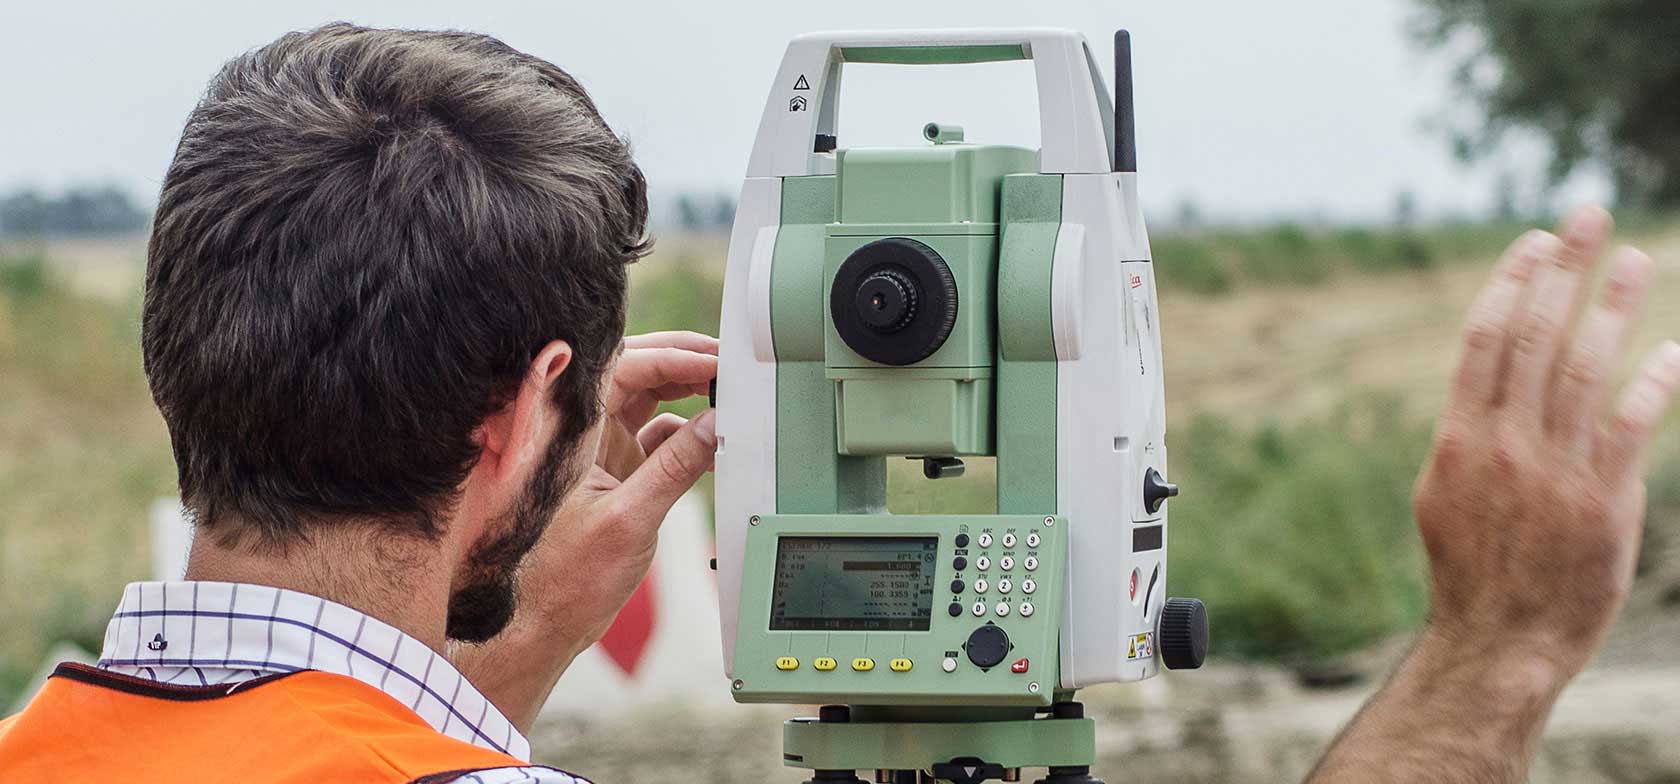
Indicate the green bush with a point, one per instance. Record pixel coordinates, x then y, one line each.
23 276
1282 254
1190 263
1300 540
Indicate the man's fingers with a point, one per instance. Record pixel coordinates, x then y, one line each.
1638 413
655 432
1556 289
652 368
1488 327
687 341
670 470
645 376
1583 373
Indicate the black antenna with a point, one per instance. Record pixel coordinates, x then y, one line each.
1125 133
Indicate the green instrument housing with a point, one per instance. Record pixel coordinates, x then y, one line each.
946 197
1023 604
990 389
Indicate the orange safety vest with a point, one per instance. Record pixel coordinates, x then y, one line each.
91 725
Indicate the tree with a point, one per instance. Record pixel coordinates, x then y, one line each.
688 213
78 211
1599 79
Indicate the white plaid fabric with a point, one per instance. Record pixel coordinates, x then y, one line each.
201 633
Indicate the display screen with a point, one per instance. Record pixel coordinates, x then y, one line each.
853 583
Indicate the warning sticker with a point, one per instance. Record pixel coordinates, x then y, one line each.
1140 646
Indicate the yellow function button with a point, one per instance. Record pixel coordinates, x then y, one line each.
787 663
825 663
863 664
900 665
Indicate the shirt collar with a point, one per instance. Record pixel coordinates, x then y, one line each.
268 630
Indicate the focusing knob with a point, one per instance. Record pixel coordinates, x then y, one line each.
988 646
1156 490
886 301
1183 634
893 301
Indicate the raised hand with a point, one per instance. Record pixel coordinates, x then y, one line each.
1531 508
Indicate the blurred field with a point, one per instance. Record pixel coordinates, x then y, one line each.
1302 367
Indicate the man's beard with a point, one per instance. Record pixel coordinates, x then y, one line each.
483 607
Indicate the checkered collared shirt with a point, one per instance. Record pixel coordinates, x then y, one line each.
201 633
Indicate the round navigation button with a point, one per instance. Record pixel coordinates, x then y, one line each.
987 646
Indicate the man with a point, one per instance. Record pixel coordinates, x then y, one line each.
383 322
384 298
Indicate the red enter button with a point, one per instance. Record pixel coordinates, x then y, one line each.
1020 665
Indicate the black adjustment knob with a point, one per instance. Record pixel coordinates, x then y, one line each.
1156 490
893 301
1183 634
988 646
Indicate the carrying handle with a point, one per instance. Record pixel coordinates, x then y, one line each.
1077 123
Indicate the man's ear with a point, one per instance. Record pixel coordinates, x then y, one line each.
514 438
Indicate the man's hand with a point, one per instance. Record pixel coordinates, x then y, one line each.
602 542
1531 508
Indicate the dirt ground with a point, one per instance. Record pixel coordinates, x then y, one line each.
1221 724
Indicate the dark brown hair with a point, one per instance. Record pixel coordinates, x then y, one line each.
363 240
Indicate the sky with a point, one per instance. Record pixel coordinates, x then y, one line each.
1321 110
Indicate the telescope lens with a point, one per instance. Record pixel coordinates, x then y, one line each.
887 301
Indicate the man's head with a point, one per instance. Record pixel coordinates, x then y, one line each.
370 244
